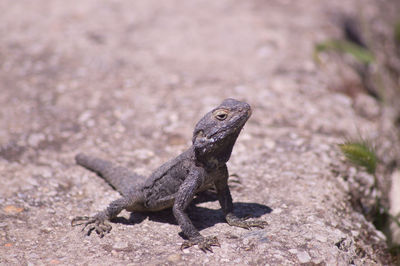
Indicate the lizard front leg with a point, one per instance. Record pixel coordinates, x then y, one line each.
225 200
99 222
184 196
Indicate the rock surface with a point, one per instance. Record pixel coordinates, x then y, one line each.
128 80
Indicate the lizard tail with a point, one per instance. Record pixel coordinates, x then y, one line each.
120 178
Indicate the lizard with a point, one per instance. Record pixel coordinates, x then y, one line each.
175 183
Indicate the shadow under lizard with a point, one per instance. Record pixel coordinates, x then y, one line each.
175 183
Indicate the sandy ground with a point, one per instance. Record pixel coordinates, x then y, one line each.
128 80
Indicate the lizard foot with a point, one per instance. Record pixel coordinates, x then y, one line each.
241 222
96 223
204 243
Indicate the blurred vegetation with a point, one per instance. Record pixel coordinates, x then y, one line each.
379 78
376 60
397 32
360 153
361 54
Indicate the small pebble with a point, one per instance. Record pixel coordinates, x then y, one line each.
303 257
174 258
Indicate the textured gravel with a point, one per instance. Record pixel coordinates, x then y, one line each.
128 80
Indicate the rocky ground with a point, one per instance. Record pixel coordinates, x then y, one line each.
128 80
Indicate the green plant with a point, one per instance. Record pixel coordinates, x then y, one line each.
360 53
360 153
397 32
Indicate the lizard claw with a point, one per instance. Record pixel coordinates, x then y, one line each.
204 243
241 222
96 223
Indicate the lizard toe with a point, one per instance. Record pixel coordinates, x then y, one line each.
79 220
95 223
241 222
204 243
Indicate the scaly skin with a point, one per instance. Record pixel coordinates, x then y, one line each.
175 183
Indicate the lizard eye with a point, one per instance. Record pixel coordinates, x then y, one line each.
221 114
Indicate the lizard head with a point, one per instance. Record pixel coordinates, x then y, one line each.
216 133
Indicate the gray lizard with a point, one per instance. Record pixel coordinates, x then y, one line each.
175 183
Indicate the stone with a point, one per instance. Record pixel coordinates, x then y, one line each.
303 257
